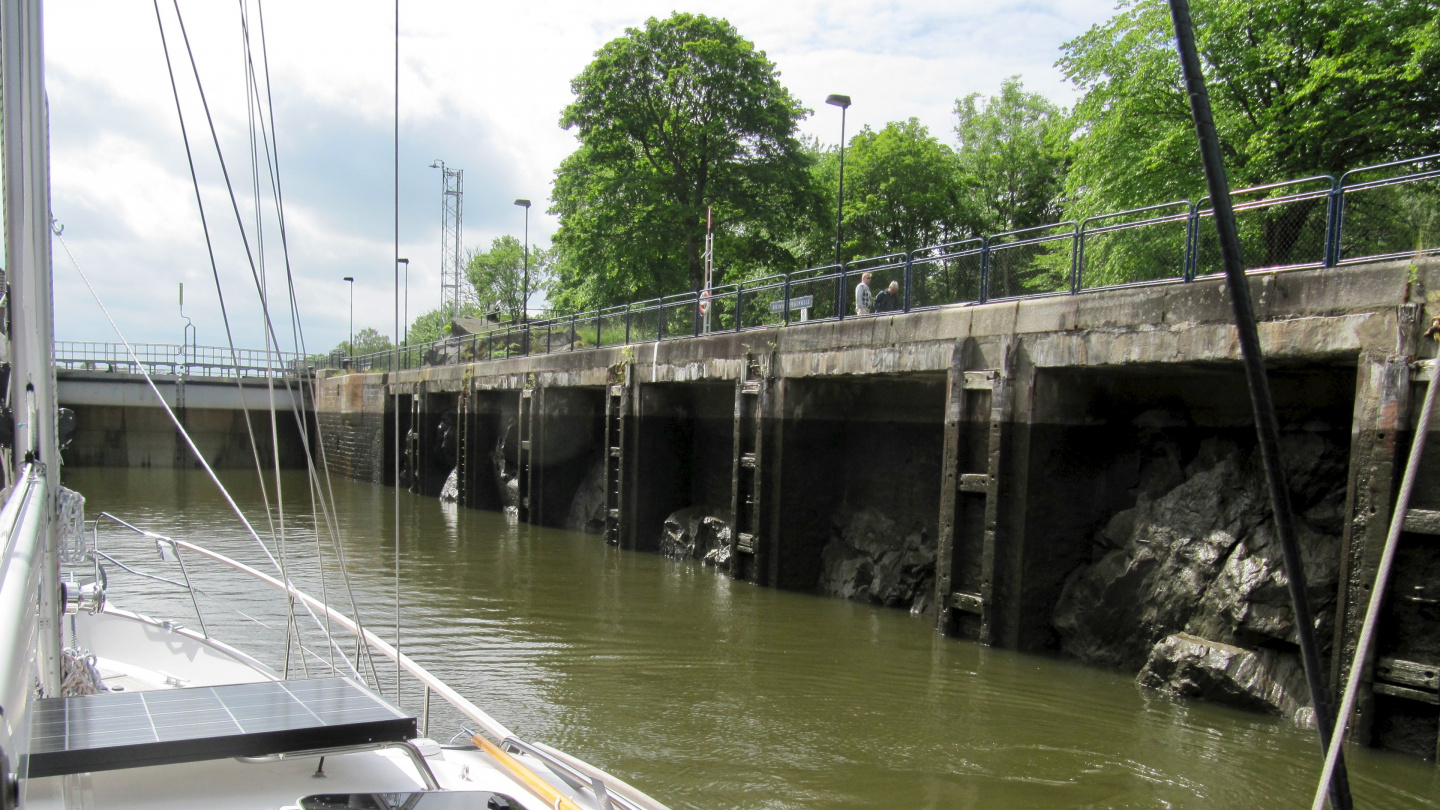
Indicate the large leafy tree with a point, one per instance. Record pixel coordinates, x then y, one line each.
498 275
1299 87
1011 153
672 118
902 191
367 341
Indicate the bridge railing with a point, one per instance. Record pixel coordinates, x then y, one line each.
175 359
1386 211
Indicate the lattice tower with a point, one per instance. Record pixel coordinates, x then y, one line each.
452 273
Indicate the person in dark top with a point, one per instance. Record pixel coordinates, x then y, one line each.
889 299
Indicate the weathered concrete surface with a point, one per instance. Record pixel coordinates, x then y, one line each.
351 418
1108 402
100 388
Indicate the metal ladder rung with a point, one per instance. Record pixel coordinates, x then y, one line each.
614 452
974 482
745 542
1422 521
980 380
1392 690
748 460
968 602
750 387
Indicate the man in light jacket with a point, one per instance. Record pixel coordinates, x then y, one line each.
864 304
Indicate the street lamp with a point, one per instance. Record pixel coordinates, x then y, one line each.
525 290
351 343
843 102
406 319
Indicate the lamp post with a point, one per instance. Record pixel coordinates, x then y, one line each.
525 290
843 102
350 344
405 335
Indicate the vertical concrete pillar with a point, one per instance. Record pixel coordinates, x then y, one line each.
621 437
754 472
526 460
1382 407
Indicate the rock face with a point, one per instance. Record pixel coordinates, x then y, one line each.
1190 585
450 493
507 478
698 533
1260 680
587 508
873 558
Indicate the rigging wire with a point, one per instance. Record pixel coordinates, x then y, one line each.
271 334
215 272
396 369
251 108
323 496
185 434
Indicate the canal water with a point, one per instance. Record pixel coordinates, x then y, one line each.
705 692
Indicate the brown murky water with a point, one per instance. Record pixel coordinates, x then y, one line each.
709 693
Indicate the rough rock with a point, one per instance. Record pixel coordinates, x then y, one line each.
873 558
1200 564
1261 680
1203 558
587 508
699 533
450 493
506 478
1114 611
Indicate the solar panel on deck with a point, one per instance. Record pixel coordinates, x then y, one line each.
135 729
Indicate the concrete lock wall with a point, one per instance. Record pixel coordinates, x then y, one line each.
119 422
1072 473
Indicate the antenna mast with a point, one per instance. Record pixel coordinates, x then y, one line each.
451 224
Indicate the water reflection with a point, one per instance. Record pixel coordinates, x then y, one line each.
712 693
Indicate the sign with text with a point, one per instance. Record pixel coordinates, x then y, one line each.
796 304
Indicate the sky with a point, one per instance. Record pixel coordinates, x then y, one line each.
481 87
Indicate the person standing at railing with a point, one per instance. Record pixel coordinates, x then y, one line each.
889 298
864 304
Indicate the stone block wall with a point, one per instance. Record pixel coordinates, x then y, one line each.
351 418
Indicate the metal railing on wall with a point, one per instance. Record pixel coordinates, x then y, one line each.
1386 211
175 359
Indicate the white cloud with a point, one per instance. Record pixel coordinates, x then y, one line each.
482 86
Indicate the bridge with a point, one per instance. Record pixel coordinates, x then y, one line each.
119 421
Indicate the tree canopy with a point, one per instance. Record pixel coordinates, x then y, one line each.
902 191
1012 155
1298 88
498 275
679 115
367 341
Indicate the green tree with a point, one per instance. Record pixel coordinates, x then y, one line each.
1299 87
1012 157
902 191
679 115
498 275
435 324
367 341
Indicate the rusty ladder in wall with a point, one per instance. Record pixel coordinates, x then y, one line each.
525 461
1385 397
958 484
412 442
463 472
745 468
617 405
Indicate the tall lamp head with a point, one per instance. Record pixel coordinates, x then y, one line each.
837 100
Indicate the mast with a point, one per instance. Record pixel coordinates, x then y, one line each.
27 263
